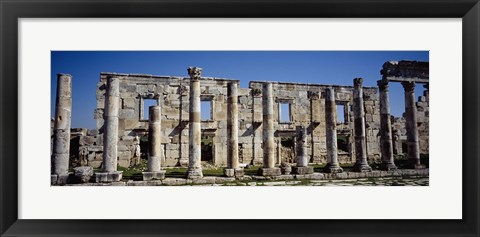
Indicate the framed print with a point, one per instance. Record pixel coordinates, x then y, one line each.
43 42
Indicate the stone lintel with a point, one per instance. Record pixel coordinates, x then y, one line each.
405 69
107 177
302 170
275 171
403 79
285 133
233 172
154 175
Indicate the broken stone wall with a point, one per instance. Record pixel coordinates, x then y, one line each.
399 132
172 93
307 108
306 104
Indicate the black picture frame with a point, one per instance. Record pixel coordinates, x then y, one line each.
11 11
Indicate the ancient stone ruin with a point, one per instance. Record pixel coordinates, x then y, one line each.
245 126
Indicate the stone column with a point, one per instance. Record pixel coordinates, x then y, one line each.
61 130
331 130
233 166
110 133
268 168
301 148
279 151
361 163
413 147
386 144
195 132
346 113
397 143
155 151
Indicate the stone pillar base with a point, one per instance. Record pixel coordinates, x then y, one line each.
329 168
275 171
286 169
302 170
107 177
388 166
59 179
233 172
415 164
362 168
154 175
194 174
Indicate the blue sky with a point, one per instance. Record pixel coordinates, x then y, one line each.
321 67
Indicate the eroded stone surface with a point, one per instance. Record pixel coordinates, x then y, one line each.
83 173
61 128
262 139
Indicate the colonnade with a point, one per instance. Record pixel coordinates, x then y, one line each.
109 171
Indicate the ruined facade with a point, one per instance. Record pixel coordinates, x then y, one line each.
306 105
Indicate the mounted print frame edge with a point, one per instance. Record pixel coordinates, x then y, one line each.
11 11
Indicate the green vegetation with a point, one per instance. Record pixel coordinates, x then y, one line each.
207 140
134 172
402 161
252 170
176 172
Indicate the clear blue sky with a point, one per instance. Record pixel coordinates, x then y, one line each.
322 67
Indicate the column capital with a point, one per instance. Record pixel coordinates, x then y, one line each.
195 73
267 84
382 85
313 95
358 82
62 75
408 86
329 94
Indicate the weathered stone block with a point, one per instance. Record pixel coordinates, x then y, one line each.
154 175
124 163
229 172
108 177
269 171
129 103
302 170
127 114
333 169
83 174
60 179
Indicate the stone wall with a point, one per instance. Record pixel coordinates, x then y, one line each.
306 104
172 94
400 132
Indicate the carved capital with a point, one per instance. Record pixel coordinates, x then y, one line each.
408 86
358 82
313 95
256 92
382 85
182 90
195 73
